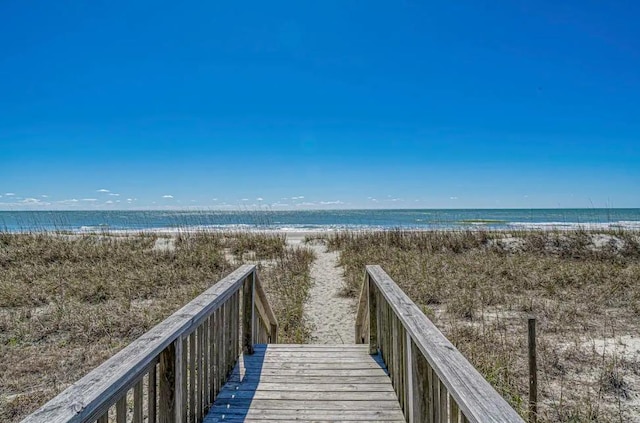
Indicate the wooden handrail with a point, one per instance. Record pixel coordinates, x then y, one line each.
433 380
183 361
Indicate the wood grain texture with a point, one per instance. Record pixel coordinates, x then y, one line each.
266 312
308 383
151 395
88 398
475 397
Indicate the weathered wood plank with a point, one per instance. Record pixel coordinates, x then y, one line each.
313 372
312 380
88 398
206 386
311 415
318 404
373 324
199 372
212 359
266 311
309 386
121 410
170 401
227 395
279 365
247 316
137 403
477 399
151 395
192 376
241 419
311 347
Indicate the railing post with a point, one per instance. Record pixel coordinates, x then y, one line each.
409 369
171 401
373 317
533 373
247 313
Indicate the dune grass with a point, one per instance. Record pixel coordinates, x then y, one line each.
68 302
480 287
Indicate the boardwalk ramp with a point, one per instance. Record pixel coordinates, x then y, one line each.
217 359
307 383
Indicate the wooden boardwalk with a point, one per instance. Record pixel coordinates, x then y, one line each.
307 383
191 368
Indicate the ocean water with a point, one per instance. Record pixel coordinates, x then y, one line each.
318 220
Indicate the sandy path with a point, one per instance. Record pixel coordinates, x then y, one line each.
332 316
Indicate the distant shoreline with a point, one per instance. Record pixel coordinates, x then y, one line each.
307 221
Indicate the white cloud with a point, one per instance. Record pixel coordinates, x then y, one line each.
73 200
306 204
326 203
259 199
167 196
9 194
301 197
90 199
33 201
129 200
214 199
453 198
278 204
108 202
103 190
114 194
245 199
44 196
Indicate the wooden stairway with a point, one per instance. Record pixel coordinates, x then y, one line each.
307 383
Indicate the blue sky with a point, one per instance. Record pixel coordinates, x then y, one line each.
332 104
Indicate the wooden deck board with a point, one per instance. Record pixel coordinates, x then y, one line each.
307 383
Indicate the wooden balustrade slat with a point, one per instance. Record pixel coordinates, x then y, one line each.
121 410
444 403
199 367
137 402
192 376
454 411
205 368
151 395
90 397
463 385
212 381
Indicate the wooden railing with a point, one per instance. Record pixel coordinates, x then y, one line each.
174 372
433 381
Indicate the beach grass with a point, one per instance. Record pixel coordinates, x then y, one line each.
68 302
480 287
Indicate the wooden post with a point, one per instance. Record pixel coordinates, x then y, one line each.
533 373
171 401
409 412
373 317
151 395
247 314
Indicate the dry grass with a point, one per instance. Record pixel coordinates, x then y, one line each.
68 302
480 288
